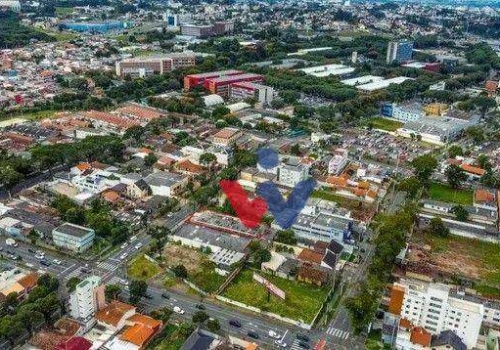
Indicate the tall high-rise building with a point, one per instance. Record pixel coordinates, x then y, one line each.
86 300
399 51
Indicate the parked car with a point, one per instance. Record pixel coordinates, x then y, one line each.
200 306
32 251
303 337
274 335
165 296
235 323
253 335
57 262
280 343
178 310
44 263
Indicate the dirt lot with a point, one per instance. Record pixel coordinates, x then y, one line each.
456 256
179 255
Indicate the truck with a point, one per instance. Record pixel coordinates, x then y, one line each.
11 242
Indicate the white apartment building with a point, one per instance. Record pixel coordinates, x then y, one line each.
291 174
86 300
73 237
338 161
435 308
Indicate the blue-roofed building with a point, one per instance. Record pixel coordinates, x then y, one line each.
95 27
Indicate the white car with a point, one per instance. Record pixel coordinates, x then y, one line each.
39 256
274 335
123 256
178 310
57 262
138 245
124 245
280 343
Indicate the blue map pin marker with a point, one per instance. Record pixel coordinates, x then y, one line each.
268 158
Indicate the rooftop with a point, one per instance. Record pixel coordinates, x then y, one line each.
74 230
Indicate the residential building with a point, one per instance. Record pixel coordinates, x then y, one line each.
86 300
17 281
226 137
243 90
338 162
435 308
290 173
166 184
144 66
73 237
399 51
115 315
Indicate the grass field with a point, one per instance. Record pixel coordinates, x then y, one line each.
201 271
63 11
172 337
302 302
444 193
384 124
142 269
470 258
330 196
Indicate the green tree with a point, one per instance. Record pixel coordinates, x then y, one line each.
484 162
72 283
137 290
286 237
454 151
180 271
461 214
455 175
361 308
476 134
410 185
295 150
213 325
48 281
220 111
207 158
150 159
200 317
438 228
112 291
423 167
9 177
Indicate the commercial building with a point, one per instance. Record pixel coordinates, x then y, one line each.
86 300
329 69
193 80
199 31
435 308
365 79
242 90
227 136
144 66
166 184
13 5
95 27
220 85
381 84
437 129
323 226
405 112
223 27
399 51
73 237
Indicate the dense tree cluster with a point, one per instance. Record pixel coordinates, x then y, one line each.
14 34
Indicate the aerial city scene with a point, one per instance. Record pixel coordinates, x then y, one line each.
249 174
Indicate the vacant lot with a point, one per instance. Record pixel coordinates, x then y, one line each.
459 256
385 124
142 269
201 271
302 301
445 193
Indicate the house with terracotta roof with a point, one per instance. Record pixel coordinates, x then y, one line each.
189 168
115 315
16 281
226 136
312 273
140 329
144 114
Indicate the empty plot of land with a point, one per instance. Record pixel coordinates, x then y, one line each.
445 193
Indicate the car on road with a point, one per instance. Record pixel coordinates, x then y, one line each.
44 263
178 310
123 256
280 343
200 306
304 345
31 251
235 323
138 245
303 337
85 270
148 296
57 262
274 335
165 296
253 335
133 238
124 245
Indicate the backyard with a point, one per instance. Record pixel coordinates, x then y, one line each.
142 269
302 302
444 193
200 270
459 256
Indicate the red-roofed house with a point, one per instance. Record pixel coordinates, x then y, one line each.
74 343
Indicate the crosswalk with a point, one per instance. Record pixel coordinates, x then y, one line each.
109 266
74 273
337 333
295 345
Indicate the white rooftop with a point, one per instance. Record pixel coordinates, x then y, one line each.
362 80
326 70
382 84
